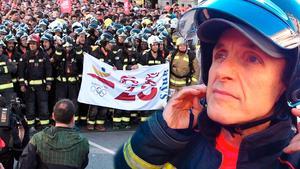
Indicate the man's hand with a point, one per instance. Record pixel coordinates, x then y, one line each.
48 88
133 67
177 114
23 89
294 145
1 166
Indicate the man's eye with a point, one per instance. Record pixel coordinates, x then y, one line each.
253 59
220 56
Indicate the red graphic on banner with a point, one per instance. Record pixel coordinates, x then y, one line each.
99 74
127 96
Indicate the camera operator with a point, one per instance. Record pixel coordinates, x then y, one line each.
14 134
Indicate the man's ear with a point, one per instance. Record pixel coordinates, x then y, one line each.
53 117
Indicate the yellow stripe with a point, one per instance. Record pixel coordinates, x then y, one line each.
58 53
194 79
14 80
76 118
30 122
150 61
134 161
157 62
21 80
124 67
35 82
82 118
144 119
169 166
99 121
5 69
126 119
133 115
91 122
6 86
117 119
2 63
178 82
50 78
79 53
44 122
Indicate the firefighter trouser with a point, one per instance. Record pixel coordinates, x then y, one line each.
67 91
146 114
96 115
121 116
36 100
8 94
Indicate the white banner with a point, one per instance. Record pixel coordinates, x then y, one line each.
145 88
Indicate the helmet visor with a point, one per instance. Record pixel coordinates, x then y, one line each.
277 26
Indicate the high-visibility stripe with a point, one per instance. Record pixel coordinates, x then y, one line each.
133 115
194 79
5 69
2 63
65 79
157 62
169 166
151 62
14 80
30 122
91 122
44 122
124 67
177 82
126 119
58 53
79 52
49 78
21 80
117 119
144 119
6 86
36 82
82 118
99 121
134 161
76 118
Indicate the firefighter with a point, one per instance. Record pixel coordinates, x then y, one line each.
127 60
153 56
10 41
97 115
184 67
48 46
22 47
7 68
67 71
35 73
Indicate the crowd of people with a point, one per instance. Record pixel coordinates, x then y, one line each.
41 57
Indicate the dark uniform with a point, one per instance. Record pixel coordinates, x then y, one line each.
148 59
97 115
125 60
66 79
35 72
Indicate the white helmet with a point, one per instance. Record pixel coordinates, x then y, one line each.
153 39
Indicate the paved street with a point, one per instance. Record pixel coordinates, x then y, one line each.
103 146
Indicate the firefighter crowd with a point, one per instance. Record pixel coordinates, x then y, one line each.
41 54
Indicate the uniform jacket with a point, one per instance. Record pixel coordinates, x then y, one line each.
56 148
156 145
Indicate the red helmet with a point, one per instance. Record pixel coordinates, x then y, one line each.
34 38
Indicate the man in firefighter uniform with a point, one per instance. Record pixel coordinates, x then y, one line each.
47 41
103 51
67 71
126 60
7 68
35 73
10 41
184 67
150 57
